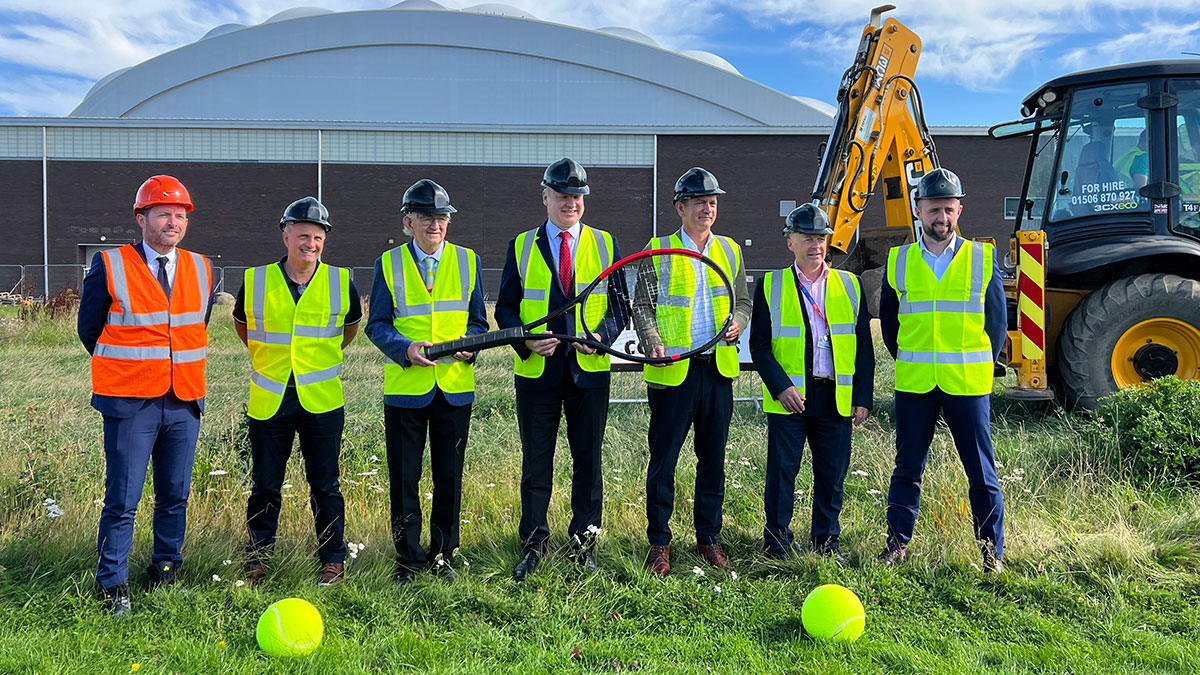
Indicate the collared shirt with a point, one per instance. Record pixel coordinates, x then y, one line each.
702 294
152 261
419 257
552 232
939 263
819 334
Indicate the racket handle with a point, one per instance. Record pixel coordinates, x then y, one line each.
473 343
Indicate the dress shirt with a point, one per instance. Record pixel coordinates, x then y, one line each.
939 263
822 365
552 232
420 256
702 293
152 261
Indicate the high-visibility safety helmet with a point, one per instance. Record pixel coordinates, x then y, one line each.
307 210
566 176
696 182
940 184
426 196
807 219
161 189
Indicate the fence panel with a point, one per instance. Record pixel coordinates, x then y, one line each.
12 279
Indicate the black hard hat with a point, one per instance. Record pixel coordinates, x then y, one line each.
696 182
807 219
426 196
566 176
307 210
940 184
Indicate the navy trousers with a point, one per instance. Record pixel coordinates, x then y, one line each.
828 436
538 415
447 426
969 419
704 399
164 432
271 445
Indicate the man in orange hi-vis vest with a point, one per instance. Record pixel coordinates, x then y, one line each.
143 317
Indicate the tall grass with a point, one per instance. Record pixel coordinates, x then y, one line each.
1104 572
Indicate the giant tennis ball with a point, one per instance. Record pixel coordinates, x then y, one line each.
833 613
290 627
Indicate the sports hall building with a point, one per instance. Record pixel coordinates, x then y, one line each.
352 107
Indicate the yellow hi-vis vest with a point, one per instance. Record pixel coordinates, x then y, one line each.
301 340
1125 162
788 336
593 254
680 294
435 317
942 340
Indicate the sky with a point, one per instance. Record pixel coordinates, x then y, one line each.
978 62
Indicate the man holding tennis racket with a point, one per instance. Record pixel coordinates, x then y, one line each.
811 344
697 391
544 269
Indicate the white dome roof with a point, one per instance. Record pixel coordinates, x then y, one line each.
222 29
629 34
499 10
298 13
711 59
417 4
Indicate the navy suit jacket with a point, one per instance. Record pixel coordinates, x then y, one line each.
995 312
776 379
94 302
563 361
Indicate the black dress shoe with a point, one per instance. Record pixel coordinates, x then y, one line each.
442 569
528 564
116 601
404 575
585 557
163 574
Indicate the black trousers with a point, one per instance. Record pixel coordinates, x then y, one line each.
538 414
271 446
704 399
406 428
828 436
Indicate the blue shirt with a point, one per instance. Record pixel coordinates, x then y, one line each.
552 235
939 263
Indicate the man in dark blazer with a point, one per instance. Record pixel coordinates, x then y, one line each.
544 269
143 314
810 339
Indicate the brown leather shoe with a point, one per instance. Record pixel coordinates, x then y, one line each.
659 560
714 555
332 573
255 572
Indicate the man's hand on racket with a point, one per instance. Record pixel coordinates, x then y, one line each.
463 356
587 349
733 332
416 353
658 352
543 347
792 401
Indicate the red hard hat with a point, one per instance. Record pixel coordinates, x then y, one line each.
162 189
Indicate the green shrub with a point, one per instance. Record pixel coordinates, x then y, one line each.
1156 428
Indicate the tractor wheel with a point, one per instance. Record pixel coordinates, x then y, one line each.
1128 332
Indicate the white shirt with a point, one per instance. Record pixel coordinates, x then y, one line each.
702 294
419 257
152 260
552 232
939 263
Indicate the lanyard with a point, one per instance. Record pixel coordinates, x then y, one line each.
813 303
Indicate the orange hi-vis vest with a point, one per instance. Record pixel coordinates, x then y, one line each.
153 344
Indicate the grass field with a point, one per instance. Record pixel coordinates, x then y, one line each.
1103 573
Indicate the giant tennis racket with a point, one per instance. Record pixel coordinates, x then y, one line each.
679 302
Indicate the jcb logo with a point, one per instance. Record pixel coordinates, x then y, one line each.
881 66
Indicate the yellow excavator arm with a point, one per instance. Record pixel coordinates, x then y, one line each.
879 137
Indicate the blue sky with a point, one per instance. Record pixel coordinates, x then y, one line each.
979 58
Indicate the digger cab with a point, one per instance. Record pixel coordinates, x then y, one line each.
1113 179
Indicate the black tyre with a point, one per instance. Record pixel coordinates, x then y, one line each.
1127 332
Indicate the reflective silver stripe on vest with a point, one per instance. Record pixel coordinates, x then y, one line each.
335 299
267 383
977 255
848 284
797 381
958 306
202 282
318 376
187 319
464 276
901 272
730 257
116 271
318 331
950 358
845 380
841 329
776 304
531 294
131 353
450 305
129 319
416 309
270 338
260 295
189 355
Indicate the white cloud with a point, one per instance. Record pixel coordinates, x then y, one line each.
1163 39
41 95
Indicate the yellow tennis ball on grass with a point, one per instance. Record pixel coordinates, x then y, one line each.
290 627
833 613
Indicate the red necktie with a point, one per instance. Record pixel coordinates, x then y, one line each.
564 263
